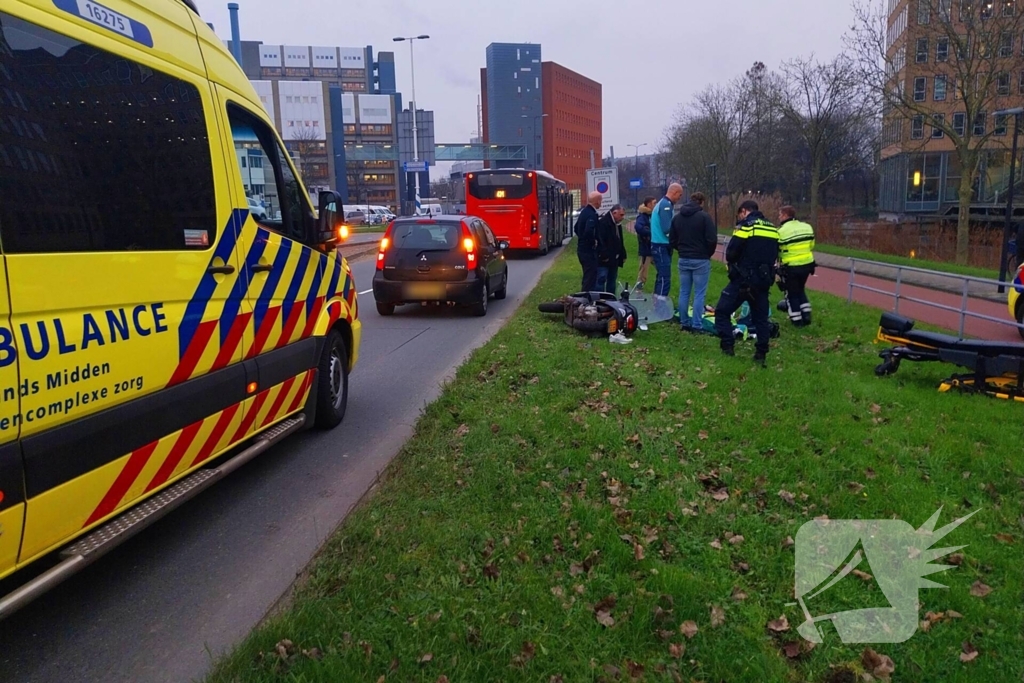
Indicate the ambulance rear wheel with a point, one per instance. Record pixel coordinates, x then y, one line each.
332 379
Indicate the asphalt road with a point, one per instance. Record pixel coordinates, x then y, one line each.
162 606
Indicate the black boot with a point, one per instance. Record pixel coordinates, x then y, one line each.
761 357
728 351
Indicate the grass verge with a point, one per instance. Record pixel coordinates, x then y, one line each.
572 510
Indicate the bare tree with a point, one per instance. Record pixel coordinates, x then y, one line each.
824 104
968 54
307 143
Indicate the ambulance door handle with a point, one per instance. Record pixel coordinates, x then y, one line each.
262 268
220 270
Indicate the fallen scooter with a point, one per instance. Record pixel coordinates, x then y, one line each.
596 313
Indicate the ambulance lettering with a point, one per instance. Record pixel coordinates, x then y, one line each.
45 337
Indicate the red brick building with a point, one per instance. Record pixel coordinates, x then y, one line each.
571 129
573 125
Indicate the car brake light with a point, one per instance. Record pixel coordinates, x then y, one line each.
385 242
469 244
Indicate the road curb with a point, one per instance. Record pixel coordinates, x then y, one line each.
358 251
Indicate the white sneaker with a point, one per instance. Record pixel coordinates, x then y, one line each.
619 338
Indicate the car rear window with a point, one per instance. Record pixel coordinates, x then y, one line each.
426 235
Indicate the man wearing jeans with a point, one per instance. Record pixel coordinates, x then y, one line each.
695 238
661 226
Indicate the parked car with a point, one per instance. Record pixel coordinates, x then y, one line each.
257 210
454 260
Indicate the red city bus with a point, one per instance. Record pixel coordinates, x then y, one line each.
528 209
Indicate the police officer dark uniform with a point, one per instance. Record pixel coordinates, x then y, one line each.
586 245
751 256
796 264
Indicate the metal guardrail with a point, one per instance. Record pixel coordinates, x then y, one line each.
898 296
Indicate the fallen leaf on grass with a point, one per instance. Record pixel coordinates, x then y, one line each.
792 650
736 540
876 664
855 487
980 590
875 409
787 496
956 559
738 595
491 571
638 552
603 611
462 430
575 569
780 625
427 658
717 616
870 473
789 542
1004 538
676 650
688 629
862 575
969 654
557 591
702 435
605 619
442 679
716 544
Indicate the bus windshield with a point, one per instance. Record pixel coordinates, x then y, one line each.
510 185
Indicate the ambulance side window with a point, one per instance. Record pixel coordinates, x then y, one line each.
273 193
98 153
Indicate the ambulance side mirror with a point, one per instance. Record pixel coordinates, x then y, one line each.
331 227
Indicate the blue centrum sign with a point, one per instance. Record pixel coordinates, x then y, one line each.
107 18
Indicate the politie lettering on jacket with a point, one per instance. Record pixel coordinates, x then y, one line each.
42 338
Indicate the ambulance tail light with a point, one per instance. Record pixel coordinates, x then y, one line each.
469 245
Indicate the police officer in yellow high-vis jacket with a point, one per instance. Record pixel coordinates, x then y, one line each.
796 264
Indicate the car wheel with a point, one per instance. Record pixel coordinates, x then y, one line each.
480 307
1020 317
332 382
385 309
503 292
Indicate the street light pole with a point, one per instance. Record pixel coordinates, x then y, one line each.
636 169
415 130
1004 252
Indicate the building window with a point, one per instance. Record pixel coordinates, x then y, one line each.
1003 84
963 47
987 9
920 86
924 174
924 11
922 50
917 128
939 120
1006 44
960 123
1000 125
942 50
979 123
940 88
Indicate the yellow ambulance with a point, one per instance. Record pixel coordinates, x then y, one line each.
158 327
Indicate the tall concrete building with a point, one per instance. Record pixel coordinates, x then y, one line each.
329 103
554 111
920 172
513 105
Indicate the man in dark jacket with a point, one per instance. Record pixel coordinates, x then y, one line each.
751 255
611 251
642 227
695 237
586 236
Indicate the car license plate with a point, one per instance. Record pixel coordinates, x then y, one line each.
425 290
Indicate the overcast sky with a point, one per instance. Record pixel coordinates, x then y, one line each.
649 55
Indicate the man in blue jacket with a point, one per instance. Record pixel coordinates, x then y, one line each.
661 229
586 245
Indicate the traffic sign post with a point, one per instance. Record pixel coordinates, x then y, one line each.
605 181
